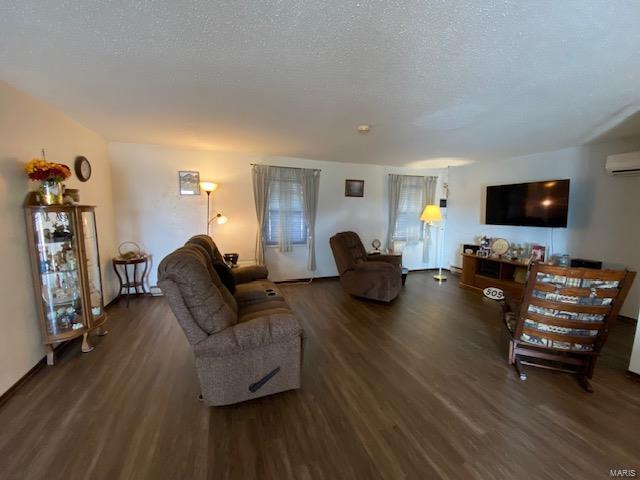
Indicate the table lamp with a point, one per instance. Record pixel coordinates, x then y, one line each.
430 215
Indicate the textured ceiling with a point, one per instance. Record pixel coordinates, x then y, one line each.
457 79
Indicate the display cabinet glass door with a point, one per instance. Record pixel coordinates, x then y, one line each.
94 281
59 271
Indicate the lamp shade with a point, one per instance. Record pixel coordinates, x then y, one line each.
431 213
221 219
208 186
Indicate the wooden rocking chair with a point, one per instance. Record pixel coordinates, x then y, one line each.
563 318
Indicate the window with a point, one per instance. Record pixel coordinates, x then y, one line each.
285 213
409 228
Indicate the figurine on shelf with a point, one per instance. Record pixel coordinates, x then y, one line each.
61 233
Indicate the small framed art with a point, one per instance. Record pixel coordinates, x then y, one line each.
538 253
189 182
354 188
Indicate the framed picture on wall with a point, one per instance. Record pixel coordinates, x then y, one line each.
354 188
189 182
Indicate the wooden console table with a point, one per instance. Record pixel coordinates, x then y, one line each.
479 273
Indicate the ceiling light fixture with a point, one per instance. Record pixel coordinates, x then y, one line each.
364 128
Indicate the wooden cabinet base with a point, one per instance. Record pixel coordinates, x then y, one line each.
479 273
50 354
86 346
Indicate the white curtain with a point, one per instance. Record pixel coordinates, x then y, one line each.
408 194
430 184
310 187
286 206
395 182
260 175
412 201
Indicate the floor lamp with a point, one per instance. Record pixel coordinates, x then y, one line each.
430 215
208 187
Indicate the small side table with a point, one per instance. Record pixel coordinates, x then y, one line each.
136 282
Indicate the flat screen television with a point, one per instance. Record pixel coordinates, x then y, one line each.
535 204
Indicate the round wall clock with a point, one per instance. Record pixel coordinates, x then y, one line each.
82 168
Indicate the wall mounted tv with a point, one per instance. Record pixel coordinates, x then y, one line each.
536 204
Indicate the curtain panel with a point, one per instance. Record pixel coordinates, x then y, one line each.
395 182
310 189
260 175
408 194
430 184
282 195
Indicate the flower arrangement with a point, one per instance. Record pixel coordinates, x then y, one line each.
43 171
50 175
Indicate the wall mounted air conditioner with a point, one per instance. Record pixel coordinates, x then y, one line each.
623 164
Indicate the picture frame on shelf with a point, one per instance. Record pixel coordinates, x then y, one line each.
538 253
189 182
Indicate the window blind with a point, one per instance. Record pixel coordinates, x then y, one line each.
409 228
285 213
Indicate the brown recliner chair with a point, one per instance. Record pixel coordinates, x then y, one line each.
377 277
247 344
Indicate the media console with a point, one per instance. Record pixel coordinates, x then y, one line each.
479 273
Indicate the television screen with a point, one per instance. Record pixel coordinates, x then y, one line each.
536 204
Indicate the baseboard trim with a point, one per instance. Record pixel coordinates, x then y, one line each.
633 376
304 280
4 398
335 277
625 319
36 368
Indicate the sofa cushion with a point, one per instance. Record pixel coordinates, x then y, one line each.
259 290
348 250
268 307
249 273
259 331
210 247
202 297
227 278
215 278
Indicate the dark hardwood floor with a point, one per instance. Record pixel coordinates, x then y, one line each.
417 389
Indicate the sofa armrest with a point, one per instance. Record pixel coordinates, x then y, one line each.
249 273
380 257
254 333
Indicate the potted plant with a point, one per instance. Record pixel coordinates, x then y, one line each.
50 175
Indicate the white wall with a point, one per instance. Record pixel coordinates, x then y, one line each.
26 126
150 211
603 210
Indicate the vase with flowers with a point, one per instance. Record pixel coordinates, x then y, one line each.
50 175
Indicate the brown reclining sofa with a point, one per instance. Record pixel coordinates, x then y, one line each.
248 343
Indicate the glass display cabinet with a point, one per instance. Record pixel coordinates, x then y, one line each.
63 242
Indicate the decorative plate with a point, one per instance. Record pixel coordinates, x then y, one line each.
500 246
